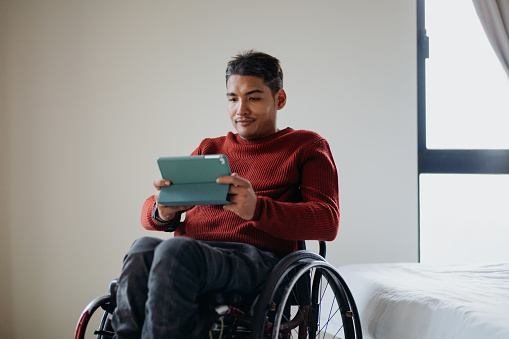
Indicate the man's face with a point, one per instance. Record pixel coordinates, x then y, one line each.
252 107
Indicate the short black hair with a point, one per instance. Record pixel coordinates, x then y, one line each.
257 64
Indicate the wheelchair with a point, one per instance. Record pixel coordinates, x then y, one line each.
304 297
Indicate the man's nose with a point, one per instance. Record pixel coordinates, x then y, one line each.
242 108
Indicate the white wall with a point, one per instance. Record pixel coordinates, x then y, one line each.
93 91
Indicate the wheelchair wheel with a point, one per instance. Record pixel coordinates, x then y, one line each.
306 297
105 330
108 304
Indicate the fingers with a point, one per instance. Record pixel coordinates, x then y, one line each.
243 206
158 183
168 212
234 180
241 195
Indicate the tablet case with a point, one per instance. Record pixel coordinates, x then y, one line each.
193 180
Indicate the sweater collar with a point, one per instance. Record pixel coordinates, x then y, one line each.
236 138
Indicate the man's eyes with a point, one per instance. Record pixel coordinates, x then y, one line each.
234 99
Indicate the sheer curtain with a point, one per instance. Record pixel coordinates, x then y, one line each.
494 16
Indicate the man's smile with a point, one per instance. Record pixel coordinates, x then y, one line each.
244 121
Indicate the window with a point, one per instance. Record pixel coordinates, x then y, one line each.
467 91
464 217
463 140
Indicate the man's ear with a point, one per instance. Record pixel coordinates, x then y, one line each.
280 98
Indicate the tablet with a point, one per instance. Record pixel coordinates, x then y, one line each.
193 180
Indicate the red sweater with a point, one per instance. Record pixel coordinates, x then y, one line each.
295 178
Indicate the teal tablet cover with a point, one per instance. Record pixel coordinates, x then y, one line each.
193 180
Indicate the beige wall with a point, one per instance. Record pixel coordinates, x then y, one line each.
93 91
6 329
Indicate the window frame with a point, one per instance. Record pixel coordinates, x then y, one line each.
445 161
460 161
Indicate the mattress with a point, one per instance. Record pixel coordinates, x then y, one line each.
413 301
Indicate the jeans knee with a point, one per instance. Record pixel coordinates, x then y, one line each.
145 244
178 254
177 247
141 254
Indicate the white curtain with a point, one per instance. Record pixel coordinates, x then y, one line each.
494 16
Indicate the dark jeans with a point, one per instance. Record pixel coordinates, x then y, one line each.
161 281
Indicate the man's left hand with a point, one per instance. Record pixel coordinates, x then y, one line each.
241 195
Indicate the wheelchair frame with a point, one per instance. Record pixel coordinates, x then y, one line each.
289 306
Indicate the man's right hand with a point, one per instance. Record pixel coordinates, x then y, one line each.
166 212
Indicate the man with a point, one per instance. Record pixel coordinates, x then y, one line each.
284 188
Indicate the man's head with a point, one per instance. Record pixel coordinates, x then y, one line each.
254 84
257 64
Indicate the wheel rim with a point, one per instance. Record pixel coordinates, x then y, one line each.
325 318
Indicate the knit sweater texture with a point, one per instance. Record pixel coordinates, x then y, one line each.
295 179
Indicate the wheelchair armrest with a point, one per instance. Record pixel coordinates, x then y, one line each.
301 245
323 248
113 293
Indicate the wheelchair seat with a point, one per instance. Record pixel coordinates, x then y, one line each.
304 297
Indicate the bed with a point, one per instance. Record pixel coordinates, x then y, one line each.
414 301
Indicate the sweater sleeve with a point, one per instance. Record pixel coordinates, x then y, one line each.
317 216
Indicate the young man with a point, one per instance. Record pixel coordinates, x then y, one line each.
284 188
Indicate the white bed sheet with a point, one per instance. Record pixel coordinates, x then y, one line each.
414 301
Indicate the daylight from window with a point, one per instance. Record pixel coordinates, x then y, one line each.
463 217
467 90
